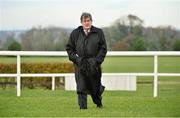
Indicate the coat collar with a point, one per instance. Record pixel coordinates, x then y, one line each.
93 29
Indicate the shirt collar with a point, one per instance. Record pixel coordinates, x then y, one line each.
87 30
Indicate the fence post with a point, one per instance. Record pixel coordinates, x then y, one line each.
53 83
155 75
18 75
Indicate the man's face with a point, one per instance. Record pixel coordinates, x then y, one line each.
86 23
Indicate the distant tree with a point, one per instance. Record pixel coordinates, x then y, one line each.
27 40
120 46
137 31
138 45
176 45
60 44
124 30
1 45
45 39
130 21
14 46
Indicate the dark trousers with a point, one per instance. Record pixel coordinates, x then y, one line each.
82 100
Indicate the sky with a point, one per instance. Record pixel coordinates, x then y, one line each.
25 14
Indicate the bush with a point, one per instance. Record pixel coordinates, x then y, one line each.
31 82
14 46
176 46
139 45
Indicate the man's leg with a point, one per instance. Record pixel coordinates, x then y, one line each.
82 100
102 88
97 98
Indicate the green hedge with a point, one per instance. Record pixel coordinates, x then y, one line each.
31 82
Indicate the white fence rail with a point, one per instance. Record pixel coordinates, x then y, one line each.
155 54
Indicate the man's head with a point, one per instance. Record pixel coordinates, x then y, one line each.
86 20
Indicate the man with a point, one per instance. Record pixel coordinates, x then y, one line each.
87 49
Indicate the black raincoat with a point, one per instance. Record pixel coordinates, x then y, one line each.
87 53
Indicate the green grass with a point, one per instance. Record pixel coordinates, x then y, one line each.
141 64
39 102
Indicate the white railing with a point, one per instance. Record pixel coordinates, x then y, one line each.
18 75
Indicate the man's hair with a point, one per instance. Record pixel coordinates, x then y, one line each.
85 15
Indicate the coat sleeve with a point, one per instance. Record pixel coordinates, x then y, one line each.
102 49
70 48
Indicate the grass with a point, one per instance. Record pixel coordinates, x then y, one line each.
40 103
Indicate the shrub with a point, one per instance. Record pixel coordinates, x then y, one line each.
31 82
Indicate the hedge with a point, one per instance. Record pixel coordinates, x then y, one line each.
31 82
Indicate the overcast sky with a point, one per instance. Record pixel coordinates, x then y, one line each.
23 14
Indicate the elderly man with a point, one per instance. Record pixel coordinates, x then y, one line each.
87 49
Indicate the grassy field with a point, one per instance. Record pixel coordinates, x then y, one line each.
40 102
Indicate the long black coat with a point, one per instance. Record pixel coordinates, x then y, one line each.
87 50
